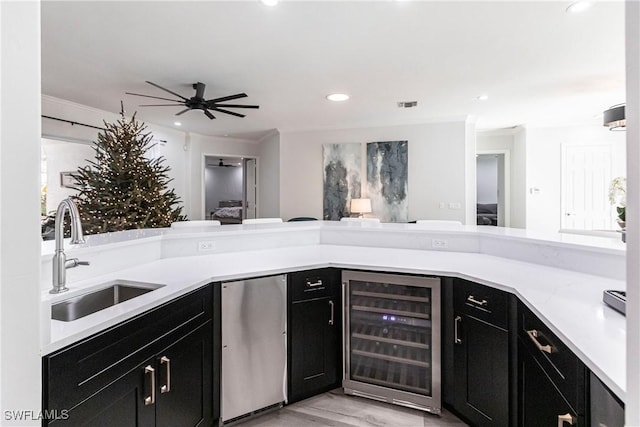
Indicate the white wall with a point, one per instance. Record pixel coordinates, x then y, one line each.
269 178
62 156
20 368
487 182
221 184
470 199
437 162
632 13
544 167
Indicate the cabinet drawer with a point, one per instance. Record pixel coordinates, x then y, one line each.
311 284
482 302
76 372
559 363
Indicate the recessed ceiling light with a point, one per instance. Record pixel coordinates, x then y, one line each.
269 2
177 123
578 6
338 97
482 97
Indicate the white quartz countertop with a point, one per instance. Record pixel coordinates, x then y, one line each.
569 302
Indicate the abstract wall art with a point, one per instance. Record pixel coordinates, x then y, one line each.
342 178
387 180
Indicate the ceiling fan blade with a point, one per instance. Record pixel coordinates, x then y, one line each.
161 105
226 98
199 90
166 90
155 97
208 114
235 106
183 111
227 112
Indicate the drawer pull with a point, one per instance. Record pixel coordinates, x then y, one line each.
151 399
456 336
166 388
331 306
311 284
566 418
473 300
534 334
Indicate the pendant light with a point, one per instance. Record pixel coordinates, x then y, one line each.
614 118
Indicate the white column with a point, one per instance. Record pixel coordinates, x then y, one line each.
20 372
632 113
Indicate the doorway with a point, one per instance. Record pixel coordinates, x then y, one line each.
492 191
229 188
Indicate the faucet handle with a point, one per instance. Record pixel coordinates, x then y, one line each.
74 262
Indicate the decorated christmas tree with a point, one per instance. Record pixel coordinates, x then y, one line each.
122 188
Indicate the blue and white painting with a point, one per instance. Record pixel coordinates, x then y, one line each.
387 180
342 178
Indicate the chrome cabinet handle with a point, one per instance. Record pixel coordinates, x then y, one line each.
166 388
314 284
473 300
566 418
456 336
533 335
331 305
151 399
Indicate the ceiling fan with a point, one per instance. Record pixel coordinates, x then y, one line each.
222 164
197 102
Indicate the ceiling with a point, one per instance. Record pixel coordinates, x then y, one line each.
538 64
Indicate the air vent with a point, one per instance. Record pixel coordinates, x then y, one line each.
407 104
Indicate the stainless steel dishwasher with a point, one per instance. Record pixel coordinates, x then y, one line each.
254 346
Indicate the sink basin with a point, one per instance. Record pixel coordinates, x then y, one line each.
86 304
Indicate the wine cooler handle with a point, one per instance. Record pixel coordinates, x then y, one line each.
456 332
533 335
151 399
566 418
166 388
331 306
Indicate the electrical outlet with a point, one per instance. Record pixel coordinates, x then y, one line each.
438 243
206 245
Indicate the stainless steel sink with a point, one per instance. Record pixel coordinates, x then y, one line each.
86 304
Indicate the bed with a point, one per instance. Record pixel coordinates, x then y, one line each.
487 213
228 212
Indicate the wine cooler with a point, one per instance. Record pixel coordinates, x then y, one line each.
392 338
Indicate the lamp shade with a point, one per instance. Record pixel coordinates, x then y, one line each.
614 118
360 206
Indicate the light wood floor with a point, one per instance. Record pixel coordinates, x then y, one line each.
336 409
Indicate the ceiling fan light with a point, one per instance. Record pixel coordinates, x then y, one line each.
614 118
578 6
269 2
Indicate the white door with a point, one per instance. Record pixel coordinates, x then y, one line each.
250 188
586 174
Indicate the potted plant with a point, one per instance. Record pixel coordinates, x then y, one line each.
618 198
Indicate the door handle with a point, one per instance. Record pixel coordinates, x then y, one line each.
566 418
331 306
533 335
166 388
151 399
456 332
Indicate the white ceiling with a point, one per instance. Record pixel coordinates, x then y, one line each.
538 64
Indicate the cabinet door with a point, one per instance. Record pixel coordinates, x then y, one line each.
541 404
121 403
184 383
314 328
481 372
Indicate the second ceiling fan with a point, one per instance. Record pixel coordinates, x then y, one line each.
197 102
